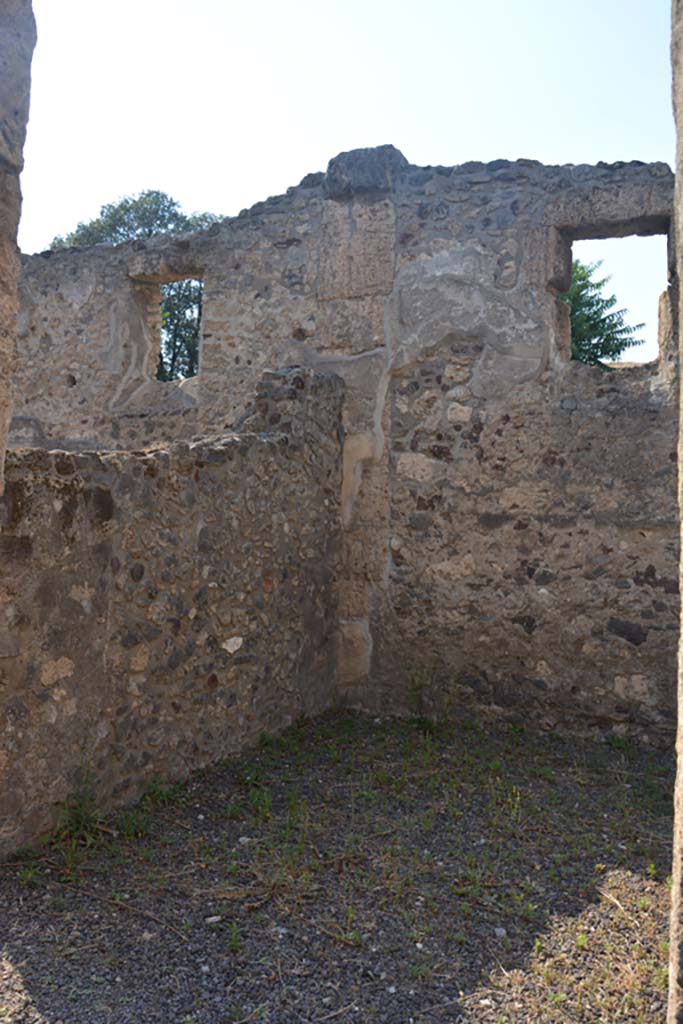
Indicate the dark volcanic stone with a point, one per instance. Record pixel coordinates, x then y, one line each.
631 631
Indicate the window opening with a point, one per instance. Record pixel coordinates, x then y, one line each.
634 269
181 315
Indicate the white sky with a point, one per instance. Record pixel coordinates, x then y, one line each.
222 103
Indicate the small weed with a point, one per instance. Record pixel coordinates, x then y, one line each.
163 796
58 903
29 875
421 972
119 855
418 686
134 822
619 743
662 979
260 803
234 943
505 802
382 778
80 818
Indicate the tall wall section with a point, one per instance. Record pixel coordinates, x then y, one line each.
17 39
510 538
162 608
675 1006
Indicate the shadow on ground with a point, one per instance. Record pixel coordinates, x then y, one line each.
358 871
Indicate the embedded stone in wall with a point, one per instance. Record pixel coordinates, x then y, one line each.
357 250
364 172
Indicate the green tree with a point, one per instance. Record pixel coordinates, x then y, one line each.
598 330
142 216
181 314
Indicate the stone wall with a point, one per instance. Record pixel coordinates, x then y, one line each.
17 39
508 538
85 376
533 553
329 271
162 608
675 1005
509 527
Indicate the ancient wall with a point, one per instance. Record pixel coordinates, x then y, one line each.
533 553
325 272
508 537
17 39
675 1003
88 335
162 608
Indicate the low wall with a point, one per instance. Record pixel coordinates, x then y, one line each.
162 608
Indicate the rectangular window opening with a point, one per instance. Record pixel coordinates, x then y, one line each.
614 301
181 316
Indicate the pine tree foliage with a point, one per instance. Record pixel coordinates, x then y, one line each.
181 314
599 332
142 216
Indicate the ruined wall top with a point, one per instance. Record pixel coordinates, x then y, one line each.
374 255
559 195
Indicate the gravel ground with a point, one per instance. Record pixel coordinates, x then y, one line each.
357 870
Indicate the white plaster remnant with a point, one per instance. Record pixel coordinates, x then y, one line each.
232 644
358 450
354 650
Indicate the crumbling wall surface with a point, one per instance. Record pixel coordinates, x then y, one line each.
533 551
17 39
511 542
675 1004
164 608
509 538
